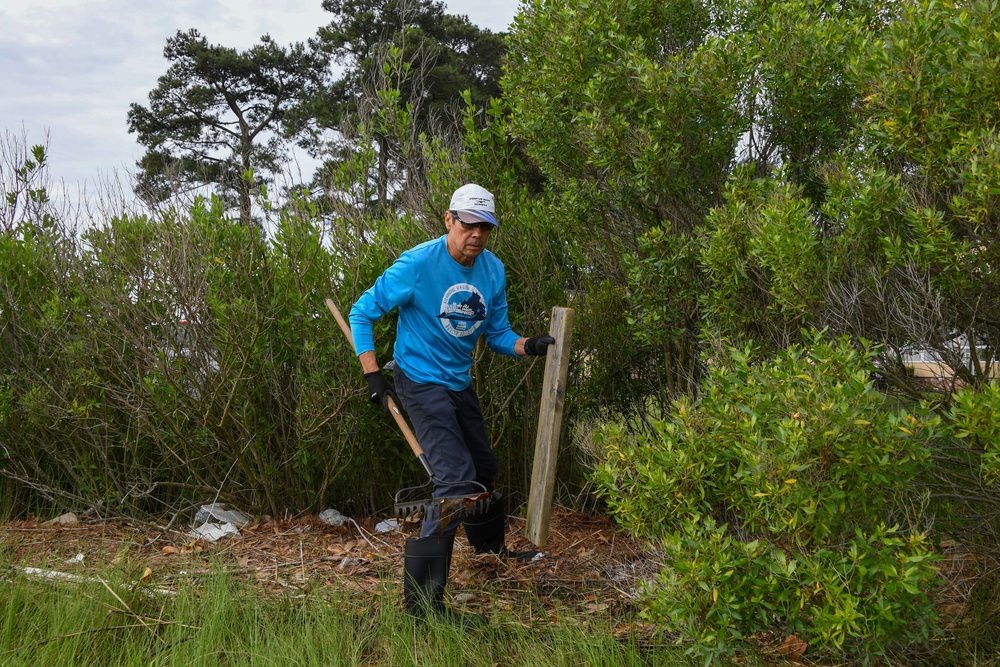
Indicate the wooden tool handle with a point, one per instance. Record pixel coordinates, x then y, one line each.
344 326
393 408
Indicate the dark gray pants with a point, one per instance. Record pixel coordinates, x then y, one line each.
449 427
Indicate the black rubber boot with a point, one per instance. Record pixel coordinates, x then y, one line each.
487 532
426 561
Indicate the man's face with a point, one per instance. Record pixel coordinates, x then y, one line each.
466 241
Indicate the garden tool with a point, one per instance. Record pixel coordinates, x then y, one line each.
444 509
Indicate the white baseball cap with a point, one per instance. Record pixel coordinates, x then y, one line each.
474 203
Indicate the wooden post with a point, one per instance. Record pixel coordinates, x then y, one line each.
550 413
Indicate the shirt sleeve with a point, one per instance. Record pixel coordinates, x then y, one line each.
391 290
500 335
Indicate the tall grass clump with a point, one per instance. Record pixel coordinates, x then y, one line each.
219 619
214 621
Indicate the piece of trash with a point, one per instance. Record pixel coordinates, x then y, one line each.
51 574
65 576
332 517
386 526
75 559
218 513
212 532
67 519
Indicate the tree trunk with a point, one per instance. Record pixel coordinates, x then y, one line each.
245 182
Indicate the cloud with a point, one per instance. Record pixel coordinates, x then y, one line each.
71 68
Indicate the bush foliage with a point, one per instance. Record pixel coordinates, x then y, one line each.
777 497
169 358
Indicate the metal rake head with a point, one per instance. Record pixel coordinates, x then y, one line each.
443 509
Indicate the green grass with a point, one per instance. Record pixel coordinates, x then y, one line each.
223 620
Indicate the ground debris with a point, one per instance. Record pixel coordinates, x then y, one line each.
68 519
589 564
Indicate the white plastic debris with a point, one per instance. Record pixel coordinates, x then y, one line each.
66 576
332 517
213 532
219 513
75 559
386 526
67 519
51 574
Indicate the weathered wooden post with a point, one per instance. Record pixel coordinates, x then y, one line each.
550 413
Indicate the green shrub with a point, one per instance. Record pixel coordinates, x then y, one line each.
157 361
976 417
775 496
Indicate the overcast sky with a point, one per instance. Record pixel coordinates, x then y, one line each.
70 68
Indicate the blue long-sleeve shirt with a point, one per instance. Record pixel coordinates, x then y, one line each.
444 308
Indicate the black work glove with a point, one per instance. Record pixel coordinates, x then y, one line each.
538 345
379 388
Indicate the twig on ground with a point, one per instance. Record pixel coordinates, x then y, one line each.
124 604
363 534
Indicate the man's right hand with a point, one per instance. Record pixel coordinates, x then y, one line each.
379 388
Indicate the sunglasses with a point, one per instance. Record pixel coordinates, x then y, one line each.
469 226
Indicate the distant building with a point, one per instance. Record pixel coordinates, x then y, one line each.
930 369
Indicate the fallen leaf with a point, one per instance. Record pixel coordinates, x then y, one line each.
794 648
147 574
169 549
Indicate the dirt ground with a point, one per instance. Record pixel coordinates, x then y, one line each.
589 566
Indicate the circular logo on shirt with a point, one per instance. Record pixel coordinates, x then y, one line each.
463 310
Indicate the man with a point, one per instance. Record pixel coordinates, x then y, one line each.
449 292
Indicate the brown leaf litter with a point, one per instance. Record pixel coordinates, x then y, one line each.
590 567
